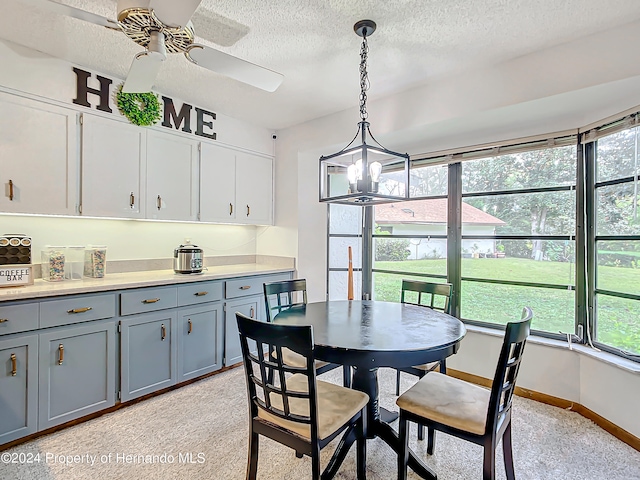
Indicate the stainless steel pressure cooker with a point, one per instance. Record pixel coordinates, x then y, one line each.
187 259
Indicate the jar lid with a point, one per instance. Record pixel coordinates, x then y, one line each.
189 248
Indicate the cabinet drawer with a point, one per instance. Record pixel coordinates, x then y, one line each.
243 287
199 292
148 300
77 309
18 317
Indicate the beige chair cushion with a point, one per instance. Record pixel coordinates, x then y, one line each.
336 406
448 400
427 367
293 359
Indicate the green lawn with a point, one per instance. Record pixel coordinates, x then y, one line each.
619 319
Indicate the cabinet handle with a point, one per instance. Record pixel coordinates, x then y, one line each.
245 287
80 310
248 210
159 202
231 209
163 332
132 199
4 320
252 311
14 365
11 190
151 300
190 328
201 294
61 354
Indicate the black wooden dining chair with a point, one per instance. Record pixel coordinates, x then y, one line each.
279 296
292 407
436 296
469 411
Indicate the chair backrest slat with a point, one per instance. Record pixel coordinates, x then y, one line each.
504 380
266 375
275 291
432 290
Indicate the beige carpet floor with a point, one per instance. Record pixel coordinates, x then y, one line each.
200 432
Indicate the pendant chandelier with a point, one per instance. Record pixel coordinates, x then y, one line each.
364 173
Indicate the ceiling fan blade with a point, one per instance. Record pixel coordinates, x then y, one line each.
172 13
55 7
143 72
234 67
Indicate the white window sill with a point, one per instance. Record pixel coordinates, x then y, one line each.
606 357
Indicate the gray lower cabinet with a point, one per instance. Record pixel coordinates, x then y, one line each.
76 372
252 307
148 353
18 387
200 331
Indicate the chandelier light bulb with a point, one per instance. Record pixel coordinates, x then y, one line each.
375 169
352 173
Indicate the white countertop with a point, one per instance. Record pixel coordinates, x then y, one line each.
120 281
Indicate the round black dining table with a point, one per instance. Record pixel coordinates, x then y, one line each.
367 335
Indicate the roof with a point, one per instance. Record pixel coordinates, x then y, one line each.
430 211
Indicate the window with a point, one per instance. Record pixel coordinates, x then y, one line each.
616 296
518 245
549 223
410 238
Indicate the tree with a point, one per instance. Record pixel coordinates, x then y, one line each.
546 213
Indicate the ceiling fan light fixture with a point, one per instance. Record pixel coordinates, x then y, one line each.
354 174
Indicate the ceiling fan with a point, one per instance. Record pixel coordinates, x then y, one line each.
161 27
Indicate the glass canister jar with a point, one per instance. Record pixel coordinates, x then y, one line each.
52 262
74 263
95 261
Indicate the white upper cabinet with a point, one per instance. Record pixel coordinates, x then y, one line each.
254 189
235 186
172 177
113 165
217 184
38 157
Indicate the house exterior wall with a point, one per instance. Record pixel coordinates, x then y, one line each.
421 248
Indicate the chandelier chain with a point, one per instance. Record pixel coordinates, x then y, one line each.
364 78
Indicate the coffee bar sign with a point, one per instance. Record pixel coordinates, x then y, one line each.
16 275
180 120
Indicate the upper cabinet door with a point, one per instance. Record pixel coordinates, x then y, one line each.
38 157
172 177
113 154
217 184
254 189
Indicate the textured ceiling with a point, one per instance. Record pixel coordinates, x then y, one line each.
312 43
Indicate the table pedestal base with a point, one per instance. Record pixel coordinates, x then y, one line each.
366 380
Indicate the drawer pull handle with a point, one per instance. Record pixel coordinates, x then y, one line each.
159 202
248 210
14 365
80 310
245 287
163 332
252 311
190 328
11 190
132 200
61 354
4 320
151 300
201 294
231 209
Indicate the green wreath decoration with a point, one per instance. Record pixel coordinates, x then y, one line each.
140 108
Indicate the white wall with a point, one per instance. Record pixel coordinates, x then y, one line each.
561 88
26 71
